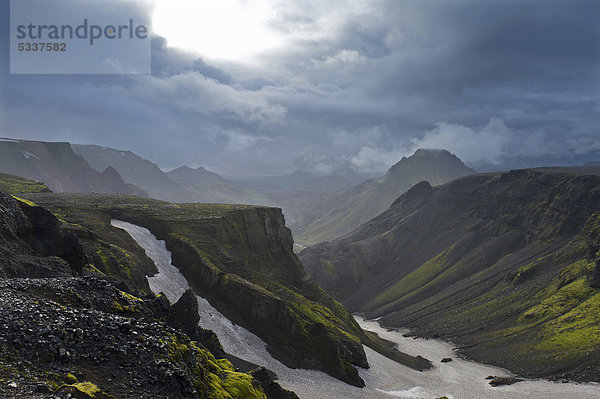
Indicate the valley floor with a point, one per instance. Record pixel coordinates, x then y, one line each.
459 378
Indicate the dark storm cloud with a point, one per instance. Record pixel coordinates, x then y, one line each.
357 84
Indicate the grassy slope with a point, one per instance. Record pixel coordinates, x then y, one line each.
18 185
520 321
500 264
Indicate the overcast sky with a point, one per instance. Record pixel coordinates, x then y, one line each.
341 84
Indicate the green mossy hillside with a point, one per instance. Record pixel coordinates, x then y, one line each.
504 264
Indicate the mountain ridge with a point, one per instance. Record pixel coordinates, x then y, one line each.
136 170
60 168
362 202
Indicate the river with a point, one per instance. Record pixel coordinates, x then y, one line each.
385 379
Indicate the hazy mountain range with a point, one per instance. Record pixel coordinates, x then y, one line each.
317 208
60 168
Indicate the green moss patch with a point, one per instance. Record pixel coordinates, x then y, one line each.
574 333
565 299
26 202
214 378
19 185
84 390
421 276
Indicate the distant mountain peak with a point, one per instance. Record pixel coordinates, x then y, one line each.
359 204
429 157
432 152
112 173
134 169
182 168
195 177
189 168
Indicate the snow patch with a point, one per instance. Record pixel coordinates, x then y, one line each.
29 155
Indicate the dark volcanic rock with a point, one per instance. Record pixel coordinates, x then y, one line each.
33 242
271 388
50 238
499 381
62 330
210 340
184 316
184 313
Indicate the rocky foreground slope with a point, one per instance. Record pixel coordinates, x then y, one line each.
84 337
505 264
69 330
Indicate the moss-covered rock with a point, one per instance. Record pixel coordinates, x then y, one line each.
184 316
84 390
272 389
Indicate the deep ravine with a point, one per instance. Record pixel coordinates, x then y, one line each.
385 379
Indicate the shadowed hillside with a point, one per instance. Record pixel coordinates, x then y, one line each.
57 166
504 264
